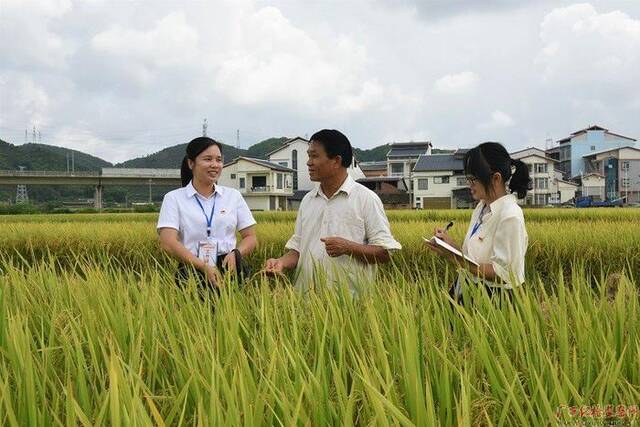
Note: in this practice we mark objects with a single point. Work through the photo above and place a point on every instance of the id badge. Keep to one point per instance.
(208, 251)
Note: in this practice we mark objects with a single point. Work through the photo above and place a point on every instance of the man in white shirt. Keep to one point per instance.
(341, 231)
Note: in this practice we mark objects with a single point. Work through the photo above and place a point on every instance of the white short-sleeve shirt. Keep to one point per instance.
(354, 213)
(181, 211)
(500, 240)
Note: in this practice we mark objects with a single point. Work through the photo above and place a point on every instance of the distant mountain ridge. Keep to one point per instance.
(49, 157)
(46, 157)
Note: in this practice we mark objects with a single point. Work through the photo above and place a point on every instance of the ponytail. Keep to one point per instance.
(194, 148)
(186, 175)
(520, 181)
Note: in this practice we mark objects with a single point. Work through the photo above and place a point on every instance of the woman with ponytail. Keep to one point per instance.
(198, 222)
(496, 238)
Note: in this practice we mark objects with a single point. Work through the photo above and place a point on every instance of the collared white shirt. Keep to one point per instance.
(501, 240)
(354, 213)
(181, 211)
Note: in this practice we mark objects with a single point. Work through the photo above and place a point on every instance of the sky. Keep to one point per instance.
(121, 79)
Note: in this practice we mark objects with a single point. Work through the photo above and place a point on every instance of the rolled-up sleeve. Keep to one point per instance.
(377, 230)
(509, 249)
(245, 218)
(169, 213)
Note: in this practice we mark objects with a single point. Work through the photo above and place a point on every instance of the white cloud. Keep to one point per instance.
(272, 61)
(584, 47)
(456, 83)
(22, 97)
(26, 34)
(499, 120)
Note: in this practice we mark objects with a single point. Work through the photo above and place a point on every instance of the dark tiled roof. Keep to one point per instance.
(400, 152)
(261, 162)
(298, 195)
(271, 165)
(380, 179)
(438, 162)
(369, 166)
(399, 149)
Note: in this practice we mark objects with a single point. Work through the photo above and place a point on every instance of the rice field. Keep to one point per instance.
(93, 331)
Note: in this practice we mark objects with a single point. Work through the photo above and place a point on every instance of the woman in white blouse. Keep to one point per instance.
(198, 222)
(497, 238)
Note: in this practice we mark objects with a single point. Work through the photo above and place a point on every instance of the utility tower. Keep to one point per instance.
(21, 194)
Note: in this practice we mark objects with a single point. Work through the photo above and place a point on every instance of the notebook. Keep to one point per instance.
(441, 243)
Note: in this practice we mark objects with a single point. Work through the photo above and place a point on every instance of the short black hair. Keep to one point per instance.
(491, 157)
(335, 143)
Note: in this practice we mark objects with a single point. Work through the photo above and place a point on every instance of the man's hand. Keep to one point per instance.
(229, 261)
(337, 246)
(273, 266)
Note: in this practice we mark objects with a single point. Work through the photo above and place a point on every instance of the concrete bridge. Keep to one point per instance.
(107, 176)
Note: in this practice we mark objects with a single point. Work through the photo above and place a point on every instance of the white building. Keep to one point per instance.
(439, 182)
(264, 185)
(548, 186)
(293, 154)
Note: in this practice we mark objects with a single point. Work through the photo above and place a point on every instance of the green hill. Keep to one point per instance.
(171, 157)
(46, 157)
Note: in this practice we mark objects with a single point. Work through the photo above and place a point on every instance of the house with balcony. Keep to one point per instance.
(570, 151)
(620, 168)
(265, 186)
(548, 186)
(439, 182)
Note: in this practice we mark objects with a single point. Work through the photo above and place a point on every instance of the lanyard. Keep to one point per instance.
(477, 225)
(208, 218)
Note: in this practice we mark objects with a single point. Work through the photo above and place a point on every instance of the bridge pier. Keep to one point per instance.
(97, 199)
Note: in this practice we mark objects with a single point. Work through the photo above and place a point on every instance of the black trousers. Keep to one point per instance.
(186, 271)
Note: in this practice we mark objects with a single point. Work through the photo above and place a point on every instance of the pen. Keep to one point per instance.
(448, 226)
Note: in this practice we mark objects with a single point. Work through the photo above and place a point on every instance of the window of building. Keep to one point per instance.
(279, 181)
(441, 180)
(461, 182)
(294, 166)
(625, 182)
(541, 168)
(397, 168)
(423, 184)
(530, 167)
(625, 166)
(241, 182)
(233, 176)
(593, 148)
(285, 164)
(541, 199)
(542, 183)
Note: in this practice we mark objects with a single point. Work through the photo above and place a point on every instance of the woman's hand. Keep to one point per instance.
(229, 261)
(442, 234)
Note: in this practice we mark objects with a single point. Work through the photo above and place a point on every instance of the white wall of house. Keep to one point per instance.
(431, 184)
(285, 157)
(593, 185)
(566, 191)
(543, 177)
